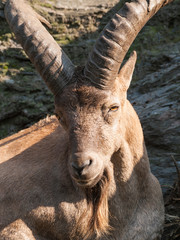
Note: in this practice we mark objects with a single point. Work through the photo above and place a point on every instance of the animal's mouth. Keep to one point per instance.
(88, 183)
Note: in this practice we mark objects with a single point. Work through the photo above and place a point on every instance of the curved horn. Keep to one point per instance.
(112, 45)
(49, 59)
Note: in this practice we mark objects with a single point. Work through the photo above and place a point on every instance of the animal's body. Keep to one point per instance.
(88, 176)
(40, 200)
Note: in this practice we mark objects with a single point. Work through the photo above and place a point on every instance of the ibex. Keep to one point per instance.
(89, 176)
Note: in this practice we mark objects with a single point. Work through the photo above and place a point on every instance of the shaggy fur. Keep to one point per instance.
(97, 211)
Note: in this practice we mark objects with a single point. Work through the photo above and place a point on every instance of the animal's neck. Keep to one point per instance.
(131, 158)
(123, 174)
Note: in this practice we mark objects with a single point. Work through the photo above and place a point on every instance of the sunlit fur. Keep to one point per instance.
(116, 197)
(97, 211)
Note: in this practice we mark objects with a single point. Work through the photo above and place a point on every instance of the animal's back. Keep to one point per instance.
(30, 173)
(18, 143)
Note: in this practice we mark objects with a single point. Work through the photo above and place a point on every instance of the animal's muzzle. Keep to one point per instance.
(79, 169)
(86, 168)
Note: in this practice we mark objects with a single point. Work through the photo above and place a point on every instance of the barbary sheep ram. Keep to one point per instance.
(85, 173)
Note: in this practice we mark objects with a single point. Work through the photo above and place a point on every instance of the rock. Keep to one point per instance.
(156, 100)
(2, 14)
(156, 97)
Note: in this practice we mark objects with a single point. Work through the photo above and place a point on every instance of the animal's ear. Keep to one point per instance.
(126, 72)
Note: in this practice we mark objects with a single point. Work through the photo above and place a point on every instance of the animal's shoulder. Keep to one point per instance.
(25, 139)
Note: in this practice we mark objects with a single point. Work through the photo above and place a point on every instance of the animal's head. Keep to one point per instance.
(90, 101)
(93, 119)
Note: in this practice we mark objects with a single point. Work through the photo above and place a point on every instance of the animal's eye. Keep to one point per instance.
(113, 108)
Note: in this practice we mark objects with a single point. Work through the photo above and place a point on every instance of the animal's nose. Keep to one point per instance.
(79, 167)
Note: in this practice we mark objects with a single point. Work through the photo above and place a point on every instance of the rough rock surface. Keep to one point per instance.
(156, 100)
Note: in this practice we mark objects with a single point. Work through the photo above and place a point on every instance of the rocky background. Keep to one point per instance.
(155, 90)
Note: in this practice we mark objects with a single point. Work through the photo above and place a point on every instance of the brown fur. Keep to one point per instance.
(116, 198)
(97, 211)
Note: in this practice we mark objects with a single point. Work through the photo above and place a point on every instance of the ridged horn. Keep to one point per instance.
(114, 41)
(48, 58)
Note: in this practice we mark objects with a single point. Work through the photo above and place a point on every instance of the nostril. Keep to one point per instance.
(79, 168)
(73, 164)
(90, 162)
(76, 166)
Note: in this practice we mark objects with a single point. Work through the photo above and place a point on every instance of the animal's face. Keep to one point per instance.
(92, 119)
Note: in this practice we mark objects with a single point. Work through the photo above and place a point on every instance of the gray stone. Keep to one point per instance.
(156, 99)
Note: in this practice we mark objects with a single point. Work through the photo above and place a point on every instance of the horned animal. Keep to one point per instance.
(84, 173)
